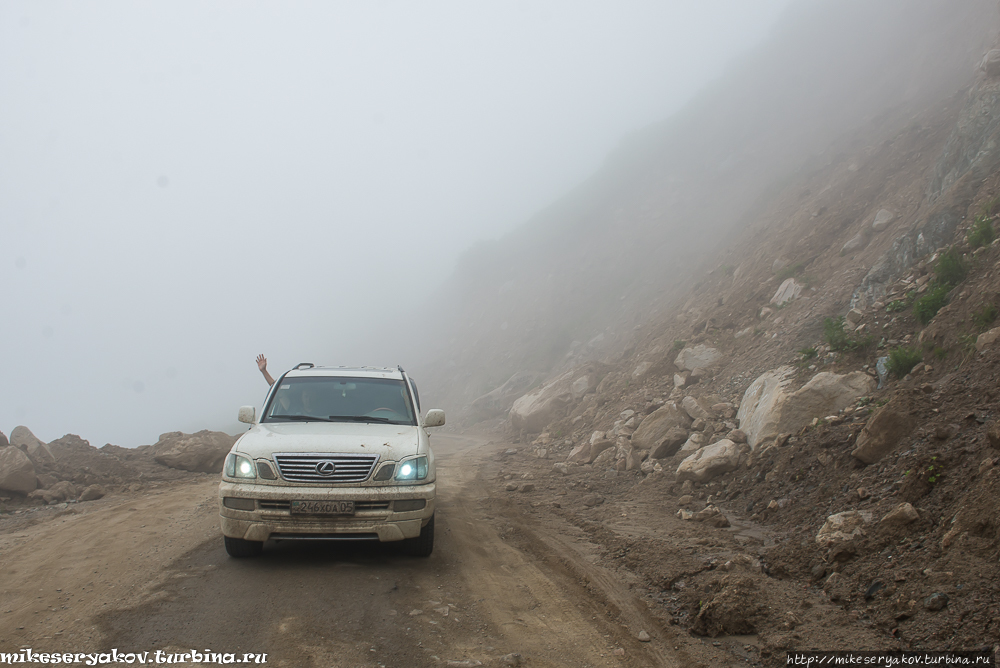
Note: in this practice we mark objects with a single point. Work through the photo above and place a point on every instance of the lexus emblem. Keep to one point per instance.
(326, 468)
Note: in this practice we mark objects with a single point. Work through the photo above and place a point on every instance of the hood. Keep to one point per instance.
(389, 441)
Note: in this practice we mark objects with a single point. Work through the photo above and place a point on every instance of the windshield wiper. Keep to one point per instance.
(303, 418)
(358, 418)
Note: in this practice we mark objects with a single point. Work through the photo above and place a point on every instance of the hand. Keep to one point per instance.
(262, 363)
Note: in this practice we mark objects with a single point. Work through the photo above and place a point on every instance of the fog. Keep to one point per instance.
(186, 185)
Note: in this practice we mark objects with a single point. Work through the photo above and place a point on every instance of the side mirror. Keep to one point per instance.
(248, 414)
(434, 418)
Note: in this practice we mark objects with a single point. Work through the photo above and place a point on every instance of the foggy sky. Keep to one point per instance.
(185, 185)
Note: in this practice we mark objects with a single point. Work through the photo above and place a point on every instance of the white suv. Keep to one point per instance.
(337, 454)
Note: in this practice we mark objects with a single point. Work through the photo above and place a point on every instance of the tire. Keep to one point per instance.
(239, 548)
(422, 545)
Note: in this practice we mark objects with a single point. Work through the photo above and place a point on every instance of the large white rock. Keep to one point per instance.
(698, 357)
(656, 428)
(17, 474)
(536, 409)
(770, 408)
(789, 289)
(711, 461)
(204, 451)
(882, 219)
(843, 527)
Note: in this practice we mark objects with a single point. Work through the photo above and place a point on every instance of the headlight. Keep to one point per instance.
(412, 469)
(238, 466)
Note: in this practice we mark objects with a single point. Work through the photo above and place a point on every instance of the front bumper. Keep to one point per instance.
(374, 515)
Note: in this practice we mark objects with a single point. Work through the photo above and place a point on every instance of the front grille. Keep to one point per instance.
(300, 467)
(358, 505)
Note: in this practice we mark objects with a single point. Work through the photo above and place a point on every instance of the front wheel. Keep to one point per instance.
(239, 548)
(422, 545)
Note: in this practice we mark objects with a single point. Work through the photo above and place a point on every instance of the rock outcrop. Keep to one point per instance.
(203, 452)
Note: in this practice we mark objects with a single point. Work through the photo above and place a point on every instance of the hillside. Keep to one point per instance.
(572, 283)
(803, 441)
(754, 359)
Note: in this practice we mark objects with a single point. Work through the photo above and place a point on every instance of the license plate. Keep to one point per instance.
(322, 507)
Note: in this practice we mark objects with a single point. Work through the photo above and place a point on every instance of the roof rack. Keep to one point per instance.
(304, 365)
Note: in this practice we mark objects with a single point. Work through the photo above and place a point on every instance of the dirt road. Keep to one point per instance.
(148, 571)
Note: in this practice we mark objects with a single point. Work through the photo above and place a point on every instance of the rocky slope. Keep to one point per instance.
(820, 408)
(832, 84)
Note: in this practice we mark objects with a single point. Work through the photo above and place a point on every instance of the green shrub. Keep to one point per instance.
(679, 344)
(984, 316)
(839, 340)
(902, 360)
(927, 306)
(939, 352)
(897, 305)
(951, 269)
(808, 353)
(982, 233)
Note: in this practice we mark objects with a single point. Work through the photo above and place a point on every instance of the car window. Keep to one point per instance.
(340, 399)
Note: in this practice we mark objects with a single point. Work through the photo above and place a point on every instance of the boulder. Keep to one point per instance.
(694, 443)
(203, 452)
(990, 64)
(788, 290)
(22, 437)
(656, 428)
(57, 493)
(987, 338)
(697, 357)
(711, 461)
(769, 408)
(843, 527)
(533, 411)
(93, 493)
(17, 473)
(712, 516)
(668, 445)
(597, 447)
(882, 219)
(500, 399)
(696, 408)
(883, 433)
(904, 513)
(855, 243)
(682, 379)
(3, 440)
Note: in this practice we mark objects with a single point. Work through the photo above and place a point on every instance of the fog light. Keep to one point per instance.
(238, 504)
(408, 504)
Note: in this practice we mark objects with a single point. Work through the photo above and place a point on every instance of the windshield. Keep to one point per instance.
(326, 399)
